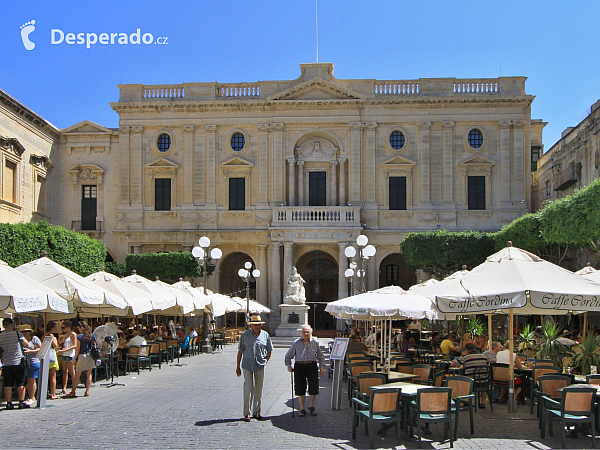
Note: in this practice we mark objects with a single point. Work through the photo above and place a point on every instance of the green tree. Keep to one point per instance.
(24, 242)
(167, 266)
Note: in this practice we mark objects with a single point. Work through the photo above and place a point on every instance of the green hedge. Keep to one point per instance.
(24, 242)
(166, 266)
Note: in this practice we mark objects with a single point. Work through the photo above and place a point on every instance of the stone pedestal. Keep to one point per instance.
(293, 318)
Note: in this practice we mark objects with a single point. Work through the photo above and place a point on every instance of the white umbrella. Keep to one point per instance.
(69, 285)
(200, 300)
(22, 294)
(165, 299)
(220, 304)
(255, 307)
(589, 272)
(388, 302)
(423, 284)
(139, 301)
(184, 301)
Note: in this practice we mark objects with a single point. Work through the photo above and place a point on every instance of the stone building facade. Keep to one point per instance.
(572, 163)
(289, 173)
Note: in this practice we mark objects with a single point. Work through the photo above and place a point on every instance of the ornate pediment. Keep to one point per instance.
(317, 149)
(236, 165)
(477, 163)
(86, 127)
(162, 165)
(316, 89)
(87, 173)
(12, 145)
(398, 161)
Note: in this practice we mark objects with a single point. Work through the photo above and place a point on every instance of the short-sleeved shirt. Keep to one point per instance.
(254, 350)
(490, 355)
(502, 357)
(472, 360)
(300, 352)
(9, 341)
(355, 346)
(85, 346)
(34, 343)
(446, 346)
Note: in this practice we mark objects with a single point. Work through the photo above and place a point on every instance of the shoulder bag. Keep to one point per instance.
(95, 352)
(24, 360)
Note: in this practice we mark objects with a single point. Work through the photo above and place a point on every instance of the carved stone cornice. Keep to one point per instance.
(425, 125)
(278, 126)
(137, 130)
(41, 161)
(189, 128)
(211, 128)
(263, 127)
(12, 145)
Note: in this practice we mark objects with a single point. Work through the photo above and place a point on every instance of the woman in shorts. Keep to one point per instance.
(33, 369)
(51, 329)
(67, 354)
(85, 362)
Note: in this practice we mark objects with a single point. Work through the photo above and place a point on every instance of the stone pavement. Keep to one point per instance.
(200, 406)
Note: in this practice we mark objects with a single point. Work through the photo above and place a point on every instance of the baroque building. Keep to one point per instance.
(572, 163)
(289, 173)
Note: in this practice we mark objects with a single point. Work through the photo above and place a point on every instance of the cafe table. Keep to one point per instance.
(408, 393)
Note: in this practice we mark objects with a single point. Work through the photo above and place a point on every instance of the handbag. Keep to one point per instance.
(95, 352)
(24, 360)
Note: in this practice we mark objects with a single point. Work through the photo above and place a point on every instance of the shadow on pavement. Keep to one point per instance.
(207, 423)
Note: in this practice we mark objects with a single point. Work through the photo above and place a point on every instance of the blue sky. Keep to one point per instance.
(553, 43)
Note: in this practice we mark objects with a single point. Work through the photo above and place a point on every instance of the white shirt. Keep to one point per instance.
(502, 357)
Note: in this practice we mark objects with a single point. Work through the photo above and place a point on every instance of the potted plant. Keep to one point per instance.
(586, 354)
(526, 341)
(550, 346)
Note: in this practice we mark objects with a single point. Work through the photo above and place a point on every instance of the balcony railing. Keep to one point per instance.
(566, 178)
(316, 216)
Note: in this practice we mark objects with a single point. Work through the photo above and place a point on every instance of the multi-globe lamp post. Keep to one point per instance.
(248, 275)
(357, 270)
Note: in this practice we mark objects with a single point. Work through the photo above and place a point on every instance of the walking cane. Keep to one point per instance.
(292, 383)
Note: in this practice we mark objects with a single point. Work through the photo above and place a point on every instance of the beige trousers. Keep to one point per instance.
(253, 385)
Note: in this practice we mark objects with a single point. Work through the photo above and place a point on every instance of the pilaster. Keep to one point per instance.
(263, 280)
(333, 198)
(291, 181)
(275, 277)
(300, 183)
(424, 162)
(519, 162)
(188, 166)
(342, 181)
(448, 163)
(288, 260)
(263, 166)
(278, 162)
(370, 162)
(355, 163)
(200, 166)
(343, 265)
(436, 163)
(505, 164)
(125, 166)
(211, 166)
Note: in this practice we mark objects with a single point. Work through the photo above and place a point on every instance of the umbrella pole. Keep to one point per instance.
(584, 324)
(512, 401)
(489, 331)
(390, 343)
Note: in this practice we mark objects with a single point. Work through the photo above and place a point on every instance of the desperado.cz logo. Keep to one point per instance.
(58, 36)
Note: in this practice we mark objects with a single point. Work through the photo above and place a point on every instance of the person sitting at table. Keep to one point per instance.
(355, 345)
(466, 339)
(408, 343)
(491, 354)
(435, 342)
(136, 339)
(449, 346)
(471, 360)
(481, 342)
(503, 357)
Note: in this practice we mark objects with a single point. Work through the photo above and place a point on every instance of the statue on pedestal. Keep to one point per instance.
(295, 295)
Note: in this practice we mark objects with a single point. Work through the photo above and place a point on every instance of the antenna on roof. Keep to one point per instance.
(317, 29)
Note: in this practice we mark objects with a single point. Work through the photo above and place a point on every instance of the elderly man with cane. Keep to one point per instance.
(306, 352)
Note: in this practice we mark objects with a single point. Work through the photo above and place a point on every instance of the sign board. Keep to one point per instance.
(46, 344)
(338, 352)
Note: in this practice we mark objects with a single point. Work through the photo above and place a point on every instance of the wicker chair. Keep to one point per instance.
(500, 375)
(433, 405)
(548, 385)
(354, 370)
(138, 355)
(592, 379)
(482, 383)
(424, 371)
(364, 382)
(404, 367)
(383, 407)
(463, 398)
(154, 353)
(576, 406)
(538, 371)
(543, 362)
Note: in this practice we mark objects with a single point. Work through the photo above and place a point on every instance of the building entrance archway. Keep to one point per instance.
(229, 280)
(392, 271)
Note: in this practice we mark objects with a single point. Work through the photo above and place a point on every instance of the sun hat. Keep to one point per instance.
(255, 319)
(25, 327)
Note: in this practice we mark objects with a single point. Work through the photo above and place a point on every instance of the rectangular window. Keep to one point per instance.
(237, 194)
(477, 193)
(89, 206)
(162, 194)
(9, 189)
(317, 189)
(536, 153)
(391, 275)
(397, 193)
(40, 195)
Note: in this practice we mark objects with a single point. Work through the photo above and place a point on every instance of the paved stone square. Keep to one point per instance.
(200, 406)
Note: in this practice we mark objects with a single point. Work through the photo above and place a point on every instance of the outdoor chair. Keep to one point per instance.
(538, 371)
(354, 370)
(154, 353)
(193, 346)
(424, 371)
(164, 351)
(500, 375)
(548, 385)
(173, 345)
(592, 379)
(364, 381)
(397, 359)
(404, 367)
(438, 379)
(138, 355)
(482, 383)
(433, 405)
(543, 362)
(463, 398)
(383, 407)
(576, 406)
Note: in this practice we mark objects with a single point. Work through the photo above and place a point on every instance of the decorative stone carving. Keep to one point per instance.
(295, 294)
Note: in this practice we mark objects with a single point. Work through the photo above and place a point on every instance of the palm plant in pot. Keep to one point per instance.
(550, 346)
(527, 341)
(586, 354)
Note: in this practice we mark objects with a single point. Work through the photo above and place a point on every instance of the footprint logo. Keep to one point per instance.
(26, 30)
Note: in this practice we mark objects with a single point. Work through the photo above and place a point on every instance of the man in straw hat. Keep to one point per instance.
(306, 352)
(254, 351)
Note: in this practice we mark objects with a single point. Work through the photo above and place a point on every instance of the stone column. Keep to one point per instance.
(291, 181)
(136, 163)
(343, 265)
(124, 167)
(263, 280)
(301, 183)
(263, 166)
(369, 163)
(278, 163)
(188, 166)
(373, 273)
(275, 277)
(355, 163)
(334, 187)
(288, 261)
(343, 182)
(448, 163)
(519, 156)
(211, 166)
(424, 162)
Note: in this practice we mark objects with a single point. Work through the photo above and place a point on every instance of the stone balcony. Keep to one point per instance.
(316, 216)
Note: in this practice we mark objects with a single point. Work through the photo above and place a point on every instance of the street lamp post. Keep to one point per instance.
(202, 255)
(248, 276)
(357, 272)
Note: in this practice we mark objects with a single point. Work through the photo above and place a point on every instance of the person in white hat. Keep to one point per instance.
(254, 351)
